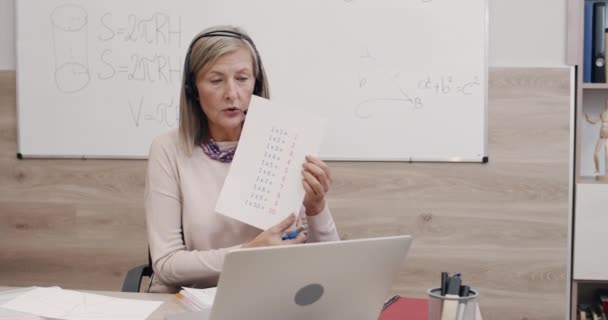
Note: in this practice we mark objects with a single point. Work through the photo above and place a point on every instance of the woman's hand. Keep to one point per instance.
(273, 236)
(317, 181)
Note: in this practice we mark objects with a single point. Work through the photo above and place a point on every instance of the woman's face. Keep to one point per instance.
(224, 92)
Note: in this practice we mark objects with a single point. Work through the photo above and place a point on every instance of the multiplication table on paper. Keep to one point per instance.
(264, 183)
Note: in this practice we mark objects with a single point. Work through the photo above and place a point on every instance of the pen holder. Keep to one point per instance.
(452, 307)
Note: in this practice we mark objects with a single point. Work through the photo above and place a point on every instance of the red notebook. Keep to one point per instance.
(399, 308)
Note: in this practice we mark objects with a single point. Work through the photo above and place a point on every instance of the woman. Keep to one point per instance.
(186, 168)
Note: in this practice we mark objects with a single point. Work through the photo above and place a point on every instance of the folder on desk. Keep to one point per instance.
(398, 308)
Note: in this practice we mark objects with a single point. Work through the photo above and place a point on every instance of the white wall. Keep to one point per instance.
(527, 33)
(523, 33)
(7, 39)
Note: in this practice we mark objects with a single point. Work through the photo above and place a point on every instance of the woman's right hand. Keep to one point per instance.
(273, 236)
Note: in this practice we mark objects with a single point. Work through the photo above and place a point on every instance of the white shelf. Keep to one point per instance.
(590, 232)
(590, 180)
(595, 86)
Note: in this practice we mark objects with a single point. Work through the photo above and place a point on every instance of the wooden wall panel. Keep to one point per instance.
(80, 223)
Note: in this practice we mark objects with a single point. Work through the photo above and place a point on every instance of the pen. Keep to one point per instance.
(449, 311)
(462, 305)
(444, 283)
(293, 234)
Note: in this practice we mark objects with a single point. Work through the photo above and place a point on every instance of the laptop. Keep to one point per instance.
(347, 279)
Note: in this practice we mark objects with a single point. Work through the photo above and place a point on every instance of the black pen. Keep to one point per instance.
(464, 291)
(462, 305)
(444, 283)
(449, 311)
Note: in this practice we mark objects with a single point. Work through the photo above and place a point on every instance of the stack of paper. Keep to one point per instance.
(196, 299)
(57, 303)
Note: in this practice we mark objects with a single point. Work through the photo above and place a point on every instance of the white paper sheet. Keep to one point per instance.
(264, 184)
(73, 305)
(8, 295)
(203, 298)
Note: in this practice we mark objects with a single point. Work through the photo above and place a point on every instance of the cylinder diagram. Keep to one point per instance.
(69, 24)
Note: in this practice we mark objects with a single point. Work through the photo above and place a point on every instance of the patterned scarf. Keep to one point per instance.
(213, 151)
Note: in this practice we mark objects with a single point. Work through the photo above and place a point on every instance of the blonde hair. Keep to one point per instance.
(203, 53)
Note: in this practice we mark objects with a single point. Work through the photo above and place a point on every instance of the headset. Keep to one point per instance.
(190, 86)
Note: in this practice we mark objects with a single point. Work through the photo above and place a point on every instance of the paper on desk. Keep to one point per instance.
(264, 184)
(205, 296)
(6, 314)
(201, 298)
(8, 295)
(73, 305)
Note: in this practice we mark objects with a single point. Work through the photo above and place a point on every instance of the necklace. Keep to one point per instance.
(213, 151)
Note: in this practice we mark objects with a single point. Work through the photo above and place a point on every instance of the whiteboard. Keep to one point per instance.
(396, 79)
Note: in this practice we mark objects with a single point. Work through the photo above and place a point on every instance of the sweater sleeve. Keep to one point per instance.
(172, 263)
(321, 227)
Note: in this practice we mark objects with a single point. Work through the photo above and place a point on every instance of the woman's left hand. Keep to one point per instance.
(317, 181)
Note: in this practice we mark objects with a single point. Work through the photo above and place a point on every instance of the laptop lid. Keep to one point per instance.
(347, 279)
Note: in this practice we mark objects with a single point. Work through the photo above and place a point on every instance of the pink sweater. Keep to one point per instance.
(181, 192)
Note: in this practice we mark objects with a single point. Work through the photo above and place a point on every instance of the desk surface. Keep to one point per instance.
(170, 305)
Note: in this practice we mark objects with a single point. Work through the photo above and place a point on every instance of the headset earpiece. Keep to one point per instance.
(257, 87)
(190, 88)
(189, 81)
